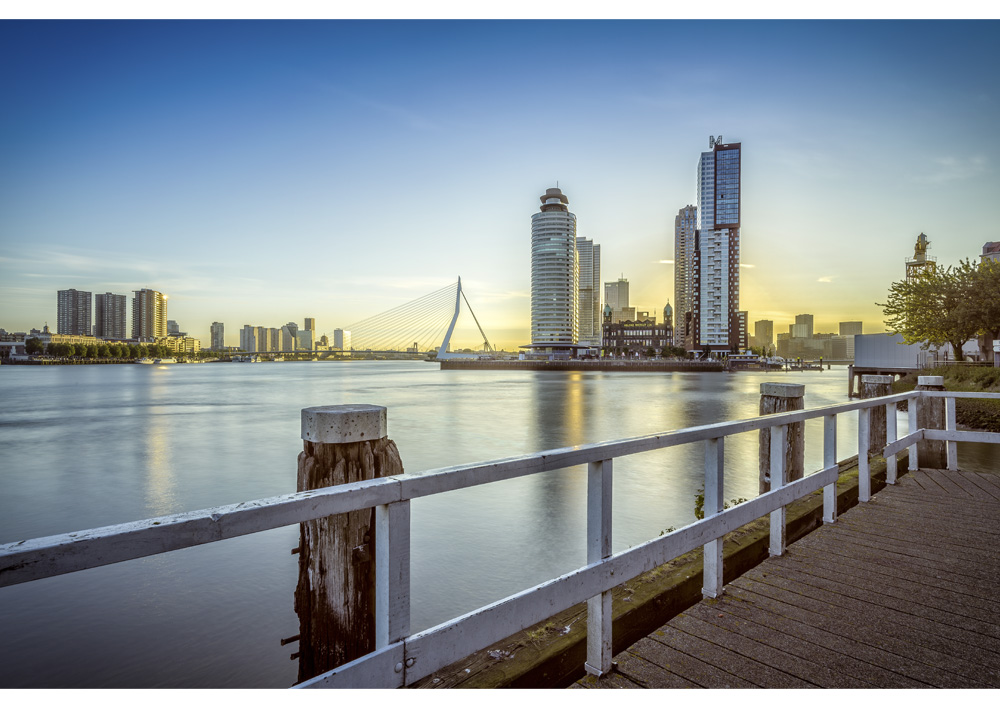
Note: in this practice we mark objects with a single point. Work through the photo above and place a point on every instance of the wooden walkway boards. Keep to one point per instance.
(903, 591)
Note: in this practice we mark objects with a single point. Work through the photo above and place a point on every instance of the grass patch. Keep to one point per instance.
(981, 414)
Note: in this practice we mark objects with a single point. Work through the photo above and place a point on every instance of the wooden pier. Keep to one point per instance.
(899, 592)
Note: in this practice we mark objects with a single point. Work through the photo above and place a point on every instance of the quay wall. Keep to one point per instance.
(584, 365)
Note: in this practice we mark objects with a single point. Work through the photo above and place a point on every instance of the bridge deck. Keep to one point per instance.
(900, 592)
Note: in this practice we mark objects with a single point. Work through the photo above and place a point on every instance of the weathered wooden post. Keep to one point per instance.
(872, 386)
(335, 596)
(777, 398)
(931, 414)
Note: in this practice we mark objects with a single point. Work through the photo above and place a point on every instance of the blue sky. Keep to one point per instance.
(261, 172)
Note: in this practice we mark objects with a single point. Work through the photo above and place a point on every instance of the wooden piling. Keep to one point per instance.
(874, 385)
(335, 596)
(931, 414)
(778, 398)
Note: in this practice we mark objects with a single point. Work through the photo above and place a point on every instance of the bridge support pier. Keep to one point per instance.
(336, 594)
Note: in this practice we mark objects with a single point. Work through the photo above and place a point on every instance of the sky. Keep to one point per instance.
(261, 172)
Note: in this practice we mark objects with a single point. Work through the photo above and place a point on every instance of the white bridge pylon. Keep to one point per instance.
(443, 352)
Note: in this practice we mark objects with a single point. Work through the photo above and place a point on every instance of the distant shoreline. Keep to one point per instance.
(585, 365)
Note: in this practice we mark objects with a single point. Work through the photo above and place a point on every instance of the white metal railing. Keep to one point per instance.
(401, 658)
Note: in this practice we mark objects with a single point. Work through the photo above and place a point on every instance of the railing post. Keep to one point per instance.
(340, 611)
(392, 573)
(778, 479)
(830, 460)
(890, 437)
(952, 446)
(864, 469)
(599, 488)
(931, 414)
(912, 405)
(714, 478)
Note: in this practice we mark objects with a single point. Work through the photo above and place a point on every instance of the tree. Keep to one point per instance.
(103, 351)
(650, 353)
(986, 305)
(937, 307)
(92, 351)
(33, 346)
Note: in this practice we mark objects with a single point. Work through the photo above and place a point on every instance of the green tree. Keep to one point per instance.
(939, 307)
(650, 353)
(33, 346)
(103, 351)
(986, 305)
(92, 351)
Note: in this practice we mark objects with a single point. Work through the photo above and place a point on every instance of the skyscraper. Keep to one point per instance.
(807, 321)
(589, 257)
(555, 276)
(73, 312)
(763, 333)
(716, 277)
(616, 295)
(109, 316)
(218, 332)
(149, 314)
(685, 227)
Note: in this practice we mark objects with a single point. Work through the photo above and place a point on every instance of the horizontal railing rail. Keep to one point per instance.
(401, 658)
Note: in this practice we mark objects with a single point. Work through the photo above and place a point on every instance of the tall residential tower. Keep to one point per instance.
(555, 277)
(589, 259)
(73, 312)
(685, 226)
(149, 314)
(715, 321)
(109, 316)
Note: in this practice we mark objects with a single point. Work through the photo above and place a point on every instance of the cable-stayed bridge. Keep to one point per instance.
(422, 325)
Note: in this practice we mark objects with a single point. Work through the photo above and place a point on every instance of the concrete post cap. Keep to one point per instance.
(930, 381)
(347, 423)
(788, 391)
(878, 378)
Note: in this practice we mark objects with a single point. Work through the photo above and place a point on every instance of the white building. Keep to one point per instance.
(555, 278)
(589, 258)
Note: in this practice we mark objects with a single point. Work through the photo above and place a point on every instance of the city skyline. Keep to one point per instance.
(252, 171)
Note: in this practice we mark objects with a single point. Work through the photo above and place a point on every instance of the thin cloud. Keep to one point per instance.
(950, 169)
(664, 261)
(825, 279)
(747, 265)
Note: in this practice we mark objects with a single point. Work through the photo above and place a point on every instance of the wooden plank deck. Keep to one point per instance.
(900, 592)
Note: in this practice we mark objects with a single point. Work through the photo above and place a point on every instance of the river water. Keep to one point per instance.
(90, 446)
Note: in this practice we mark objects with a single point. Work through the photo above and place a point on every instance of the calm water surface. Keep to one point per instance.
(90, 446)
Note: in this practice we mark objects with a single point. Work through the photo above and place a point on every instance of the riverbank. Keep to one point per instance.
(981, 415)
(584, 365)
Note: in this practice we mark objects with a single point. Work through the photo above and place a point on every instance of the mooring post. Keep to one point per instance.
(932, 414)
(872, 386)
(336, 594)
(777, 398)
